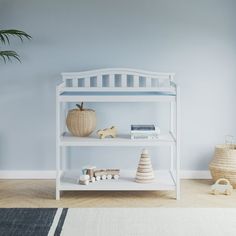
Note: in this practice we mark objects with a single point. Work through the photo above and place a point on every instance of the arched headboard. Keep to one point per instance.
(118, 79)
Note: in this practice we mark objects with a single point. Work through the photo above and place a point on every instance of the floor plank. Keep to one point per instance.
(41, 193)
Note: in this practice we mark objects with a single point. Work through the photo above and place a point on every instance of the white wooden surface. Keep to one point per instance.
(103, 87)
(126, 182)
(116, 98)
(178, 118)
(121, 140)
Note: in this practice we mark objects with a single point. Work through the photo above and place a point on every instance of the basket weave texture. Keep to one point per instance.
(81, 123)
(223, 164)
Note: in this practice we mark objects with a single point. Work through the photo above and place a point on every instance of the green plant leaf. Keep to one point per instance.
(8, 55)
(5, 34)
(5, 39)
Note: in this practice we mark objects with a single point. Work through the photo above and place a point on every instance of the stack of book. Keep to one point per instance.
(144, 132)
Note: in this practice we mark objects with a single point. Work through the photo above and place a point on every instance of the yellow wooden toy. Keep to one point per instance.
(103, 133)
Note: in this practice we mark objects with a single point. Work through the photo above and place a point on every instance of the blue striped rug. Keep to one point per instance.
(118, 222)
(31, 221)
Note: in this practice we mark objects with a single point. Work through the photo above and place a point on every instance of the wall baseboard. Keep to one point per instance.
(51, 174)
(195, 174)
(27, 174)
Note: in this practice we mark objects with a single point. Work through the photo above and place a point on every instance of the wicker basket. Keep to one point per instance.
(81, 122)
(223, 164)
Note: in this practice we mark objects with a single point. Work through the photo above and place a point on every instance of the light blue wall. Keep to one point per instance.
(195, 39)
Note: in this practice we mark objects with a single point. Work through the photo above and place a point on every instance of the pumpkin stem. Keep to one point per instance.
(81, 106)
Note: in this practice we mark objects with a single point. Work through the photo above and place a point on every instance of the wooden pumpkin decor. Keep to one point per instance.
(80, 121)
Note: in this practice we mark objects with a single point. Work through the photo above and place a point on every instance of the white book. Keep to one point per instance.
(146, 131)
(142, 127)
(144, 136)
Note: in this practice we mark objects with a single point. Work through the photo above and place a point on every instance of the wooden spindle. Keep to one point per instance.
(136, 81)
(112, 80)
(148, 82)
(123, 80)
(75, 82)
(155, 82)
(99, 81)
(87, 82)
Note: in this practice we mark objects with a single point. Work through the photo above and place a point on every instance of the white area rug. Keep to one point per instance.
(150, 222)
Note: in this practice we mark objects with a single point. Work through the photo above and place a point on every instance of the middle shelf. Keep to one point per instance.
(121, 140)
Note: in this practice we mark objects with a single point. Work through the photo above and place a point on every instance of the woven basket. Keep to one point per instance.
(223, 164)
(81, 123)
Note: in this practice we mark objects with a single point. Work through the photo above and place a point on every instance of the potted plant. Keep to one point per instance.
(5, 35)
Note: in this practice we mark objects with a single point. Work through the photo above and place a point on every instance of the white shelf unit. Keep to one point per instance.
(118, 85)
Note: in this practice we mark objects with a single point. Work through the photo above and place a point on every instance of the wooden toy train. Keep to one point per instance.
(91, 174)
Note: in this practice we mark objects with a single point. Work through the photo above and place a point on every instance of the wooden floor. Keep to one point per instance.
(41, 193)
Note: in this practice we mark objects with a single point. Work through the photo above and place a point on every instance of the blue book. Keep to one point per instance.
(142, 127)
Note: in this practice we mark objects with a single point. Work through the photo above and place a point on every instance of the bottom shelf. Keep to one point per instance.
(163, 181)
